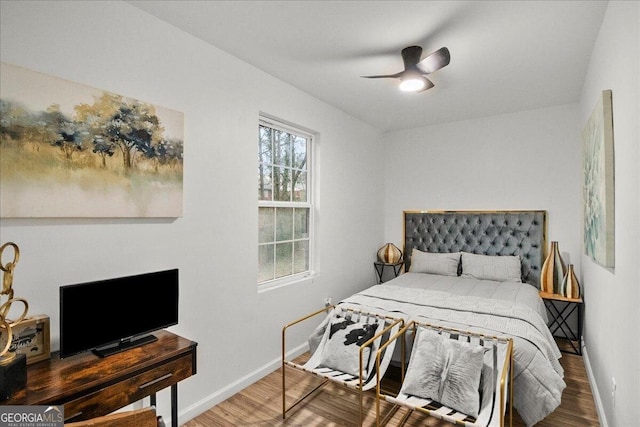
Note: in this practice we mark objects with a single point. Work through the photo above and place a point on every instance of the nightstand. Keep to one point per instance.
(380, 266)
(561, 308)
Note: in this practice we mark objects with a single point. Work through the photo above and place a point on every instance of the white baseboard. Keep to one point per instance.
(594, 387)
(224, 393)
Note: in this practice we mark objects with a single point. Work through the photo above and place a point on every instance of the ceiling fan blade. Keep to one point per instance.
(411, 56)
(391, 76)
(428, 86)
(438, 59)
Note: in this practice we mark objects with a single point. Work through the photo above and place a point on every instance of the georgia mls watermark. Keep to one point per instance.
(31, 416)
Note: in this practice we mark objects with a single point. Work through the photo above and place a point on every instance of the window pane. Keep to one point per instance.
(284, 224)
(283, 148)
(265, 263)
(301, 221)
(281, 184)
(300, 153)
(266, 225)
(300, 187)
(265, 185)
(265, 148)
(284, 267)
(301, 256)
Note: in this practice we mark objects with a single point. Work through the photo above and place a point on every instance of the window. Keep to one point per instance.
(284, 203)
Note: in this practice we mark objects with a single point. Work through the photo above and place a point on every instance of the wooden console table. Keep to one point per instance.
(89, 386)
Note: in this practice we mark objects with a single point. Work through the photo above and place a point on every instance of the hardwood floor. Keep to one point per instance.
(261, 404)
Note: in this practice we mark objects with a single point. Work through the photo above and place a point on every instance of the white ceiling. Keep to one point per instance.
(506, 56)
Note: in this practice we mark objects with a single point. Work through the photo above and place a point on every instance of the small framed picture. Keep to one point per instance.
(30, 337)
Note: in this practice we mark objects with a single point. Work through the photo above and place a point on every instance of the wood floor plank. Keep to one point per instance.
(260, 404)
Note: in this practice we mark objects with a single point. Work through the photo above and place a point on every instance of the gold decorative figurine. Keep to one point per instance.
(12, 367)
(7, 289)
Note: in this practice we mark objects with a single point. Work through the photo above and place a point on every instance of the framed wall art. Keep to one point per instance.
(599, 183)
(69, 150)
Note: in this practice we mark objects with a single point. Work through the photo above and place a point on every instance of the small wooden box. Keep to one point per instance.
(31, 338)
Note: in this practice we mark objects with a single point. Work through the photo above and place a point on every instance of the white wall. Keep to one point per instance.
(533, 160)
(612, 322)
(115, 46)
(527, 160)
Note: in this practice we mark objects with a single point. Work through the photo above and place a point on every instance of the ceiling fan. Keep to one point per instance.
(414, 77)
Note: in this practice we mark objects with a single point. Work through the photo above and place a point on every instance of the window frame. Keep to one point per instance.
(309, 204)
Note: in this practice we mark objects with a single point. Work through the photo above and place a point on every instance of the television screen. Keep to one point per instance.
(108, 316)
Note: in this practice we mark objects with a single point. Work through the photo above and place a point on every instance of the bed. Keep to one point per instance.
(478, 271)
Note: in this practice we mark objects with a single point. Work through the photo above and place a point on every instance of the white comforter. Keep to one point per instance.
(498, 308)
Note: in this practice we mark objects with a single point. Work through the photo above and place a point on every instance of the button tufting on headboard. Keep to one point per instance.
(482, 232)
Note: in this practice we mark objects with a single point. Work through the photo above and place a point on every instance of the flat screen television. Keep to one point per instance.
(113, 315)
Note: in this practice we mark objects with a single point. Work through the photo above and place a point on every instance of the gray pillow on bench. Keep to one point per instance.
(445, 370)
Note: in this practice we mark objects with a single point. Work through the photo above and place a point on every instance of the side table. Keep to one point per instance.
(380, 266)
(561, 308)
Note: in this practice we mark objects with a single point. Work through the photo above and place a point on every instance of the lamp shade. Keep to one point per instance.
(389, 254)
(413, 84)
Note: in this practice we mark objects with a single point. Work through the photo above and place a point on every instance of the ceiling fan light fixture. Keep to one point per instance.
(412, 84)
(414, 76)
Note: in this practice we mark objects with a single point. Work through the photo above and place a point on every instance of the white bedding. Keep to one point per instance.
(510, 309)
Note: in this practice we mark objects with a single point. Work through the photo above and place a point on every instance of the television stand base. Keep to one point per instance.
(124, 345)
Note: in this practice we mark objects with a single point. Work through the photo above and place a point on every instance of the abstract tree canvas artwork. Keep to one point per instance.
(69, 150)
(598, 187)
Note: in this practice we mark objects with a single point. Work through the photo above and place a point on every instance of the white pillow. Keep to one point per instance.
(445, 264)
(341, 350)
(492, 267)
(445, 370)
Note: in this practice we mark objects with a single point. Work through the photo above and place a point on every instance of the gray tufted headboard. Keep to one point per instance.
(480, 232)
